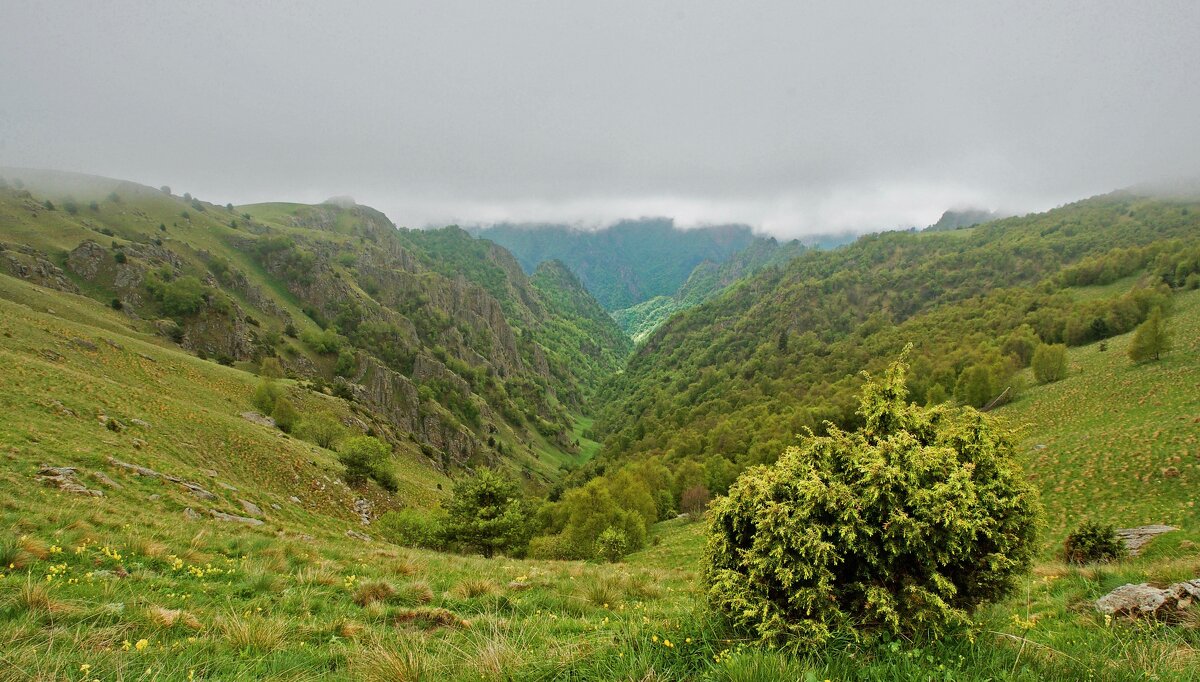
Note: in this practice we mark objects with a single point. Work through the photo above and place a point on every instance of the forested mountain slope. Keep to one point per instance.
(627, 263)
(732, 381)
(440, 333)
(707, 281)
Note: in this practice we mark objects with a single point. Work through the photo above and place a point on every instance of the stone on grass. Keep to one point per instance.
(1145, 601)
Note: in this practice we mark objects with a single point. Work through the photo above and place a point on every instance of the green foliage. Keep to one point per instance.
(347, 363)
(906, 525)
(265, 396)
(1093, 542)
(323, 429)
(270, 368)
(612, 545)
(410, 527)
(572, 526)
(367, 457)
(488, 514)
(1049, 363)
(1151, 339)
(323, 341)
(285, 414)
(179, 297)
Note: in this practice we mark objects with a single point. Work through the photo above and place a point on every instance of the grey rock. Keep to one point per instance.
(1136, 539)
(64, 478)
(363, 509)
(233, 518)
(1145, 601)
(191, 514)
(154, 497)
(211, 473)
(259, 419)
(275, 506)
(358, 536)
(84, 344)
(294, 499)
(139, 422)
(103, 478)
(251, 508)
(226, 486)
(198, 491)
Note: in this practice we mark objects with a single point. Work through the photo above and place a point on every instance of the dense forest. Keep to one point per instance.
(732, 382)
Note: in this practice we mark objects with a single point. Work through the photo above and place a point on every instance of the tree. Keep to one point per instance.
(271, 368)
(322, 429)
(183, 296)
(1050, 363)
(285, 414)
(1151, 339)
(909, 523)
(368, 457)
(488, 514)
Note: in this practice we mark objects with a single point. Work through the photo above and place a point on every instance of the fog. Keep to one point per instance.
(790, 117)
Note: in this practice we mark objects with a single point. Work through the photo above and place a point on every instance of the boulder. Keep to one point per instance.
(259, 419)
(1145, 601)
(64, 478)
(232, 518)
(251, 508)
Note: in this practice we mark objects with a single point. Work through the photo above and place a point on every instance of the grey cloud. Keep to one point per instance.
(793, 117)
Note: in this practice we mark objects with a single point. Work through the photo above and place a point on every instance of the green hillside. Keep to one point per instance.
(730, 382)
(482, 369)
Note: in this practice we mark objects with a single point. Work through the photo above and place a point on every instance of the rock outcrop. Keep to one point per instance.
(1136, 539)
(1146, 601)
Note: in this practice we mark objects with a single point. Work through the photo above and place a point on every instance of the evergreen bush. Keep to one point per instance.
(904, 526)
(1093, 542)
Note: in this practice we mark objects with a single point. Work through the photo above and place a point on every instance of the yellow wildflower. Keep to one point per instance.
(142, 644)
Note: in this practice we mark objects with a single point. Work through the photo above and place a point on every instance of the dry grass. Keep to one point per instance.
(475, 587)
(413, 593)
(317, 575)
(251, 632)
(167, 618)
(402, 661)
(373, 591)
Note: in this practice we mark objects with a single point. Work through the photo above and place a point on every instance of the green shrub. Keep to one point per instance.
(1050, 363)
(325, 342)
(265, 396)
(612, 545)
(905, 525)
(368, 457)
(1093, 542)
(285, 414)
(1151, 339)
(183, 296)
(414, 528)
(323, 429)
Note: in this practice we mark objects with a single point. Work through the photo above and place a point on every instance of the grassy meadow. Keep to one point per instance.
(127, 587)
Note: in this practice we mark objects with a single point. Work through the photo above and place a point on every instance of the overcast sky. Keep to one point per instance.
(793, 117)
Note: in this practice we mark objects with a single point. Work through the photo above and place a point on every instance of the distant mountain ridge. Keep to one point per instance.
(627, 263)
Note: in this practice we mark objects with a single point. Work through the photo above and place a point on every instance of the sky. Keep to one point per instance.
(793, 117)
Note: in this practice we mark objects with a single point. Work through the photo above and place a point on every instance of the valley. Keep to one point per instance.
(163, 517)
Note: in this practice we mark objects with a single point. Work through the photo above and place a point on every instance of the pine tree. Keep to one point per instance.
(1151, 339)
